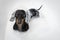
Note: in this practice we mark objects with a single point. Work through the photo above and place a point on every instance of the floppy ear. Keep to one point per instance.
(12, 17)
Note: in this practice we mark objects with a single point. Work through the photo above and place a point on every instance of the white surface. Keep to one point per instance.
(47, 27)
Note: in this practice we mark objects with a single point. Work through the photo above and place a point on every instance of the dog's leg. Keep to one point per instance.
(15, 27)
(25, 27)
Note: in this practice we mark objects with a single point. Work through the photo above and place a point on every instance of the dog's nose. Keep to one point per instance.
(19, 21)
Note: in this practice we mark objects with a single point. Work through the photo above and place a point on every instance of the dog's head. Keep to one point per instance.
(20, 20)
(20, 16)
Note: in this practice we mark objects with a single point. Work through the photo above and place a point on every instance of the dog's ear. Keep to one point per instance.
(13, 17)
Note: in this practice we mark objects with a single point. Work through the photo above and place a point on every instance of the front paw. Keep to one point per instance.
(15, 27)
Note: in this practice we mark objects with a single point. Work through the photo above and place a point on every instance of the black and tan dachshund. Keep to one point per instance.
(22, 18)
(20, 23)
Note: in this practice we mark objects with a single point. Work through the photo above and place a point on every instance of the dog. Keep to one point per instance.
(23, 18)
(20, 23)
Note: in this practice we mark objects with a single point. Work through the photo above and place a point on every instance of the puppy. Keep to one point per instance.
(20, 23)
(22, 19)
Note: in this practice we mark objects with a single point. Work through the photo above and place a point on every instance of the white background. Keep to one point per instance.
(46, 27)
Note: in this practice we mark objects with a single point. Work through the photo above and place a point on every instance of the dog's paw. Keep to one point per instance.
(25, 27)
(15, 27)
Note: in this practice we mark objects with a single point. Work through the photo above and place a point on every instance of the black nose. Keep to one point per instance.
(19, 21)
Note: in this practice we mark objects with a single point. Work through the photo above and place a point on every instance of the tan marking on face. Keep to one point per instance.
(19, 25)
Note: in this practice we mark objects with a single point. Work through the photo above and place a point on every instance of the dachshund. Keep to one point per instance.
(20, 23)
(23, 18)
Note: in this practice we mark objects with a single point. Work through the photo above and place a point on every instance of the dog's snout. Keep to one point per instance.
(19, 21)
